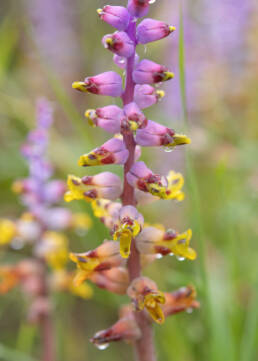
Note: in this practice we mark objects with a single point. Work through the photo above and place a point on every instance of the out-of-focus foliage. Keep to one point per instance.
(45, 45)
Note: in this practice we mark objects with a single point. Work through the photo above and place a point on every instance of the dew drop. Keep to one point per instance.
(168, 149)
(189, 310)
(152, 1)
(102, 346)
(171, 254)
(145, 49)
(159, 256)
(179, 258)
(121, 61)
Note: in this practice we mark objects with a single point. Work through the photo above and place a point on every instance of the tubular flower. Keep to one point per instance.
(152, 240)
(151, 30)
(103, 185)
(7, 231)
(54, 249)
(129, 225)
(134, 117)
(101, 258)
(109, 118)
(145, 95)
(106, 211)
(138, 8)
(108, 83)
(119, 43)
(125, 329)
(168, 187)
(115, 280)
(145, 294)
(112, 152)
(181, 300)
(156, 134)
(148, 72)
(116, 16)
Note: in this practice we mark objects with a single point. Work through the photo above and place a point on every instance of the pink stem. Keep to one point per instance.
(144, 347)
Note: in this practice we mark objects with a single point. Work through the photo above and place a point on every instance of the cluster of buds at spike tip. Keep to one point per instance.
(145, 180)
(153, 240)
(129, 225)
(132, 239)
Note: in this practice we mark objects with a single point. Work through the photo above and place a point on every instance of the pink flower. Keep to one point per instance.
(134, 117)
(119, 43)
(138, 8)
(108, 83)
(148, 72)
(115, 280)
(116, 16)
(156, 134)
(145, 95)
(150, 30)
(112, 152)
(121, 61)
(109, 118)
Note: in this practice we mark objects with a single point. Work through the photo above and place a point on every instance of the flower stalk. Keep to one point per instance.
(139, 244)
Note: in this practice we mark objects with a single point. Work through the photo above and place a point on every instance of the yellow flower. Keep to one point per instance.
(171, 190)
(86, 265)
(152, 302)
(7, 231)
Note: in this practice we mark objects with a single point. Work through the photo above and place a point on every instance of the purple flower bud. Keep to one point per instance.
(148, 72)
(145, 95)
(108, 83)
(119, 43)
(108, 118)
(139, 170)
(156, 134)
(112, 152)
(134, 117)
(151, 30)
(116, 16)
(138, 8)
(121, 62)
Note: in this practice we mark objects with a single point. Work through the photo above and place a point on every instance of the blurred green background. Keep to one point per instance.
(47, 44)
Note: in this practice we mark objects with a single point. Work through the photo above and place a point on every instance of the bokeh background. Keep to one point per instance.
(47, 44)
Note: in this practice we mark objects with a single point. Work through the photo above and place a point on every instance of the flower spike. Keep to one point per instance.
(111, 152)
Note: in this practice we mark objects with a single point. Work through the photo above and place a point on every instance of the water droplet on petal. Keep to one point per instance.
(171, 254)
(145, 49)
(152, 1)
(102, 346)
(179, 258)
(168, 149)
(189, 310)
(159, 256)
(121, 61)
